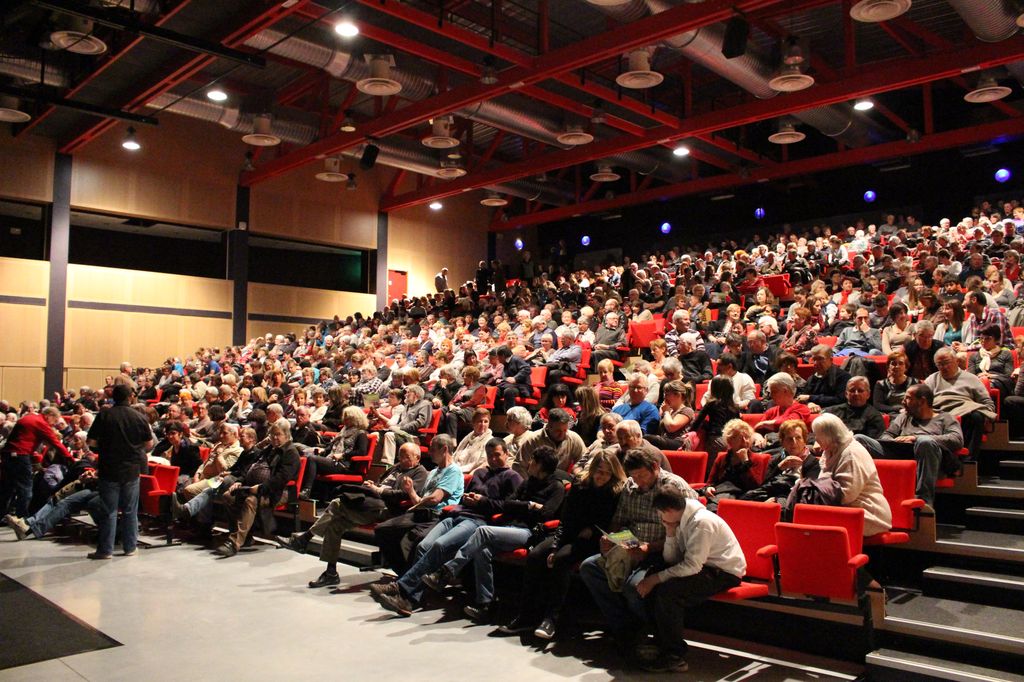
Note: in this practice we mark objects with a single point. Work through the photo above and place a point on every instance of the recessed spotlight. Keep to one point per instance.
(217, 94)
(346, 29)
(870, 196)
(585, 240)
(1003, 174)
(131, 143)
(864, 105)
(518, 244)
(759, 213)
(436, 205)
(681, 150)
(666, 228)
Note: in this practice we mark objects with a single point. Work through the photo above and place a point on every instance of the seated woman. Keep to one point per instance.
(608, 389)
(783, 391)
(730, 323)
(717, 411)
(471, 453)
(788, 363)
(336, 458)
(556, 397)
(659, 350)
(887, 396)
(992, 362)
(898, 329)
(801, 335)
(549, 565)
(732, 475)
(465, 401)
(676, 417)
(849, 464)
(795, 462)
(588, 420)
(764, 303)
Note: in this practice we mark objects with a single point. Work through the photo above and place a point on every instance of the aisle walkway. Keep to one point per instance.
(182, 614)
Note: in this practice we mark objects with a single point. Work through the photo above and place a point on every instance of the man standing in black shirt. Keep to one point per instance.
(121, 436)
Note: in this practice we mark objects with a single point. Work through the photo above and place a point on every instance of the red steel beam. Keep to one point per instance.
(184, 71)
(836, 160)
(683, 18)
(111, 59)
(867, 81)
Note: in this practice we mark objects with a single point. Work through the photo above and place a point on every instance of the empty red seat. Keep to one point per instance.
(816, 561)
(899, 482)
(642, 333)
(753, 524)
(849, 518)
(159, 483)
(689, 465)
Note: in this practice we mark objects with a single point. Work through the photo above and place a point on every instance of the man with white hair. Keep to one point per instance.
(681, 328)
(637, 408)
(222, 457)
(629, 436)
(961, 394)
(564, 361)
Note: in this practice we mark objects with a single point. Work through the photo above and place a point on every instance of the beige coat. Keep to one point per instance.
(855, 472)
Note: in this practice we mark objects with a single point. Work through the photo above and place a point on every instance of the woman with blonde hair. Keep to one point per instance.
(588, 421)
(676, 417)
(608, 389)
(659, 349)
(336, 458)
(587, 510)
(732, 473)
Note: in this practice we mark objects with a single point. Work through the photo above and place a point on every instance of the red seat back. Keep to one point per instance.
(204, 453)
(492, 396)
(538, 377)
(753, 524)
(166, 476)
(642, 333)
(297, 481)
(752, 419)
(813, 560)
(849, 518)
(688, 465)
(899, 483)
(699, 391)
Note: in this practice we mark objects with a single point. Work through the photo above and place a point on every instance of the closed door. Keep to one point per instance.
(398, 284)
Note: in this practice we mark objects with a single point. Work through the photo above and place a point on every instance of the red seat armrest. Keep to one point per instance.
(856, 561)
(552, 525)
(913, 504)
(769, 551)
(448, 510)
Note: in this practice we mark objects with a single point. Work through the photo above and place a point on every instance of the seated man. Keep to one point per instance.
(701, 557)
(537, 500)
(564, 361)
(222, 457)
(66, 502)
(262, 489)
(483, 498)
(827, 386)
(628, 436)
(200, 507)
(860, 338)
(759, 358)
(303, 432)
(635, 512)
(556, 435)
(636, 406)
(417, 415)
(961, 394)
(919, 432)
(856, 413)
(744, 390)
(398, 537)
(696, 365)
(359, 505)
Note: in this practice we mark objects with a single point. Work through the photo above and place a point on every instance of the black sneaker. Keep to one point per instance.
(517, 627)
(179, 512)
(546, 630)
(226, 550)
(326, 579)
(666, 663)
(438, 580)
(480, 613)
(397, 603)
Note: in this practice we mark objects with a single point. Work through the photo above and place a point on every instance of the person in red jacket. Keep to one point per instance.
(783, 389)
(31, 431)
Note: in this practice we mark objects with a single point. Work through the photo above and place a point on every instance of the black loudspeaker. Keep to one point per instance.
(734, 43)
(369, 156)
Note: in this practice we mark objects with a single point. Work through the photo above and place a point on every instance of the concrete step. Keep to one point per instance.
(1011, 469)
(956, 623)
(979, 544)
(996, 519)
(890, 665)
(982, 587)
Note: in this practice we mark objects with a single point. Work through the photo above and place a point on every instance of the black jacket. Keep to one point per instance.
(518, 369)
(829, 389)
(586, 507)
(748, 364)
(548, 492)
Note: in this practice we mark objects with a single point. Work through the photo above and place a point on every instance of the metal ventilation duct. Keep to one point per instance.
(30, 71)
(990, 20)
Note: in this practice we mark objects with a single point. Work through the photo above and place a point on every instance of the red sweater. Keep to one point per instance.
(776, 415)
(30, 431)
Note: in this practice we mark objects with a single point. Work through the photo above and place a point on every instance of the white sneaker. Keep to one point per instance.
(19, 526)
(131, 553)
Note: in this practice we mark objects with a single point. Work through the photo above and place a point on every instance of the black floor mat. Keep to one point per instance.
(33, 629)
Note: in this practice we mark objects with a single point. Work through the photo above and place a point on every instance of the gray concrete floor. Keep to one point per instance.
(180, 614)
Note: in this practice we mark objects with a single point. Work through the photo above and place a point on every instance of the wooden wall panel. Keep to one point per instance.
(168, 179)
(74, 379)
(298, 206)
(21, 383)
(422, 241)
(24, 342)
(27, 169)
(112, 285)
(21, 277)
(270, 299)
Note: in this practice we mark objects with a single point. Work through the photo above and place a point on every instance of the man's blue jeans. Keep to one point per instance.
(200, 507)
(51, 513)
(115, 495)
(441, 543)
(16, 484)
(623, 612)
(480, 549)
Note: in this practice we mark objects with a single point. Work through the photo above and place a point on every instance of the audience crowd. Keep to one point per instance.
(529, 408)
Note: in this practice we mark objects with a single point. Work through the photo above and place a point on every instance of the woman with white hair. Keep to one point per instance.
(849, 464)
(782, 388)
(517, 421)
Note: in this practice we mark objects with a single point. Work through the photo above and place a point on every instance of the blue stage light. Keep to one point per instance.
(518, 244)
(585, 240)
(870, 196)
(1003, 174)
(666, 228)
(759, 213)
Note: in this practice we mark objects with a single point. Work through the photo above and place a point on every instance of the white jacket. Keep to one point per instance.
(702, 538)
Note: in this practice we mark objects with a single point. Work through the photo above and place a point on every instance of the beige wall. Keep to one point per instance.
(23, 351)
(318, 304)
(422, 241)
(102, 339)
(26, 171)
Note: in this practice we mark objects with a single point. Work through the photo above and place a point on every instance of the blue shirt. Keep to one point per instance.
(448, 479)
(645, 413)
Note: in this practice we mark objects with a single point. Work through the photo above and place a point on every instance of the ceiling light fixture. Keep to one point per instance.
(604, 173)
(261, 135)
(493, 199)
(681, 150)
(639, 76)
(787, 134)
(10, 110)
(790, 78)
(436, 205)
(217, 94)
(348, 125)
(489, 75)
(988, 90)
(346, 29)
(379, 83)
(130, 142)
(864, 105)
(873, 11)
(332, 171)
